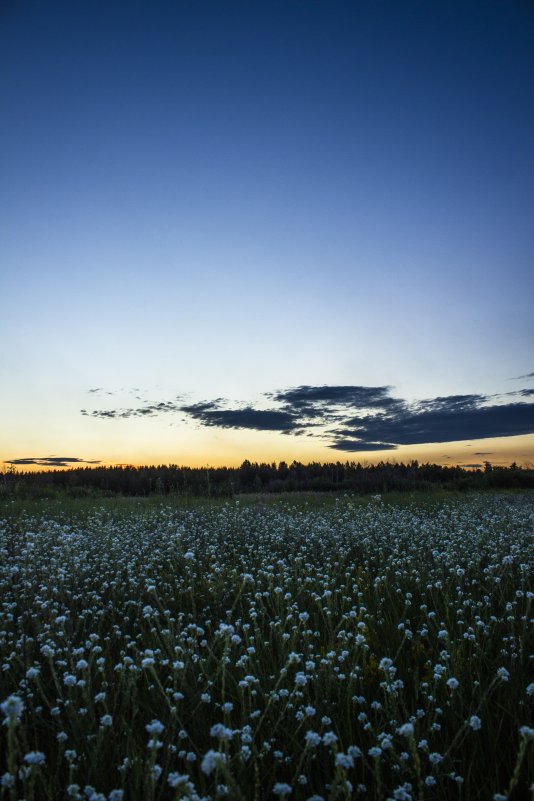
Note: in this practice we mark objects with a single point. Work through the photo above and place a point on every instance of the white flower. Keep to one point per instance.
(526, 732)
(154, 727)
(177, 779)
(453, 683)
(406, 730)
(503, 674)
(344, 761)
(106, 720)
(212, 760)
(221, 731)
(12, 707)
(282, 789)
(313, 739)
(329, 738)
(475, 722)
(35, 758)
(32, 672)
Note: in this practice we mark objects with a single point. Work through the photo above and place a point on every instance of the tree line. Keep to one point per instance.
(256, 477)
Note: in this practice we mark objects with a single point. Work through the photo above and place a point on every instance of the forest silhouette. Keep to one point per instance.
(255, 477)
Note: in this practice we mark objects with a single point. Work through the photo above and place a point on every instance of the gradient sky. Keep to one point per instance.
(213, 202)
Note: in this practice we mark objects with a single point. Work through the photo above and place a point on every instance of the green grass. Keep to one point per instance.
(283, 609)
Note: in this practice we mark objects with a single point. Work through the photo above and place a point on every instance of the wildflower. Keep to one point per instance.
(35, 758)
(530, 689)
(116, 795)
(453, 683)
(106, 721)
(406, 730)
(12, 707)
(503, 674)
(176, 780)
(374, 752)
(222, 732)
(402, 793)
(329, 738)
(155, 727)
(435, 758)
(282, 789)
(475, 722)
(212, 760)
(345, 761)
(312, 738)
(526, 732)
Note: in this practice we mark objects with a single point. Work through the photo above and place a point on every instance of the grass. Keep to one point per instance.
(302, 647)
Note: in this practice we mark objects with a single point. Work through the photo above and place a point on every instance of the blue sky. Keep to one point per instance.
(221, 200)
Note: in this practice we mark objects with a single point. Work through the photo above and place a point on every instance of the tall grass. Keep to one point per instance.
(304, 650)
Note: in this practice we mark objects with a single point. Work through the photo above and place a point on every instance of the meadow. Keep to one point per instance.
(295, 648)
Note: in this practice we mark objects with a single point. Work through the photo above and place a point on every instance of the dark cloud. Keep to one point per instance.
(444, 423)
(51, 461)
(320, 401)
(484, 453)
(358, 445)
(520, 377)
(210, 414)
(343, 395)
(474, 465)
(357, 418)
(450, 403)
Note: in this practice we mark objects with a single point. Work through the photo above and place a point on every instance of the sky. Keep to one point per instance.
(266, 230)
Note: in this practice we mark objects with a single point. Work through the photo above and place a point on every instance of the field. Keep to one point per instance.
(304, 649)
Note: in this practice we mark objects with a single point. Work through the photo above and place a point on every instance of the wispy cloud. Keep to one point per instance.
(51, 461)
(148, 410)
(354, 418)
(521, 377)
